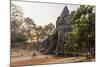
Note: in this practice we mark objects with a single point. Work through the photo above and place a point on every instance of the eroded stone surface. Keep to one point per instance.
(55, 42)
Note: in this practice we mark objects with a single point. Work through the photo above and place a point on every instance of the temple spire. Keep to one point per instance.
(65, 12)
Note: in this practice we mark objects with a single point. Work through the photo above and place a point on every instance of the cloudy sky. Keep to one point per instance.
(43, 13)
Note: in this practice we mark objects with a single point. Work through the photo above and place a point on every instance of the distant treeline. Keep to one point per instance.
(24, 28)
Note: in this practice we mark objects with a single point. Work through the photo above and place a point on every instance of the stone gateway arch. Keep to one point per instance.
(54, 44)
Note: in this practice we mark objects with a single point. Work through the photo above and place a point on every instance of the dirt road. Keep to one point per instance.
(44, 59)
(24, 57)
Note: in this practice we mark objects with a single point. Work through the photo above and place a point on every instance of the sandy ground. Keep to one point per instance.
(20, 52)
(44, 59)
(23, 57)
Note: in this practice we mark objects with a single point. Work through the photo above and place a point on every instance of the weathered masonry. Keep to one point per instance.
(55, 42)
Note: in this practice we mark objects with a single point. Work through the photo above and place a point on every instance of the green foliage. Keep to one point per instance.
(16, 11)
(28, 26)
(49, 29)
(83, 35)
(18, 37)
(21, 28)
(25, 28)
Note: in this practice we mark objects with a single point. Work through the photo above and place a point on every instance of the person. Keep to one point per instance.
(34, 54)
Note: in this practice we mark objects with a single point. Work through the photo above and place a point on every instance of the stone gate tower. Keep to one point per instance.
(63, 26)
(55, 42)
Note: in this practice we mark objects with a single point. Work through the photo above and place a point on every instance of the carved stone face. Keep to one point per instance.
(65, 12)
(67, 20)
(64, 18)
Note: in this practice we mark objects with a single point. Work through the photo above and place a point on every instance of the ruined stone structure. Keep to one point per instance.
(63, 26)
(55, 42)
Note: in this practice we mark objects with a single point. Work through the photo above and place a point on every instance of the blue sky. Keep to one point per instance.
(43, 13)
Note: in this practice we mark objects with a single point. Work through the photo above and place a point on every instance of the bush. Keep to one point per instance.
(18, 38)
(21, 38)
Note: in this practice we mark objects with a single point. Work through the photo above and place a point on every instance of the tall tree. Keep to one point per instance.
(16, 11)
(28, 27)
(16, 21)
(19, 24)
(16, 17)
(49, 29)
(83, 34)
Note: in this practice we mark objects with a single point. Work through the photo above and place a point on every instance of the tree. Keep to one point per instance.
(16, 11)
(28, 27)
(42, 33)
(16, 17)
(49, 29)
(20, 25)
(16, 22)
(83, 34)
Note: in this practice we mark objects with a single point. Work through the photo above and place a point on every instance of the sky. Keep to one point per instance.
(43, 13)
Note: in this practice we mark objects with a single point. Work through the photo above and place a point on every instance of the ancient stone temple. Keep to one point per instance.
(55, 42)
(63, 26)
